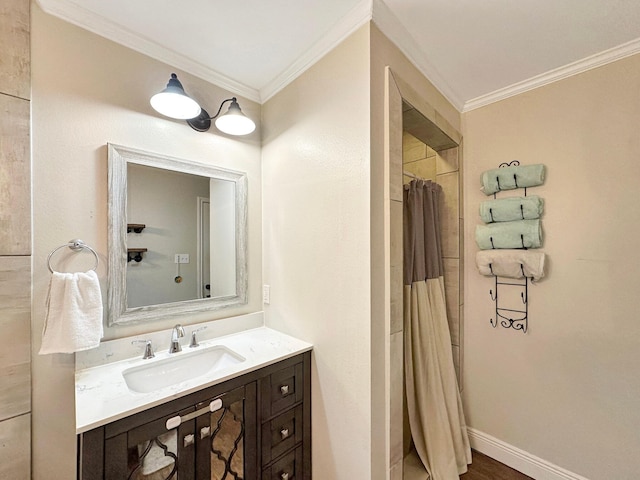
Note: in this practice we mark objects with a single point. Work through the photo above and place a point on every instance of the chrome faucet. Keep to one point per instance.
(176, 333)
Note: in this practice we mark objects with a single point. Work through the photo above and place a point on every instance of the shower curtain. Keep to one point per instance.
(434, 406)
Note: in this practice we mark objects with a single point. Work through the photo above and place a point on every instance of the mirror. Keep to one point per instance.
(177, 236)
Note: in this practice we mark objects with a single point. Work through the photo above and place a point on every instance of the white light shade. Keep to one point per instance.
(173, 102)
(234, 122)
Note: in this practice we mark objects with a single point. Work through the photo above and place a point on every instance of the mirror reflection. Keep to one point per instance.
(177, 236)
(180, 216)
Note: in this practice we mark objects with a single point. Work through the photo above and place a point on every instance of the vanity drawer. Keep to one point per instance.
(288, 467)
(281, 434)
(281, 390)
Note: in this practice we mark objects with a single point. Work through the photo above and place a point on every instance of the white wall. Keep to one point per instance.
(316, 244)
(568, 390)
(87, 91)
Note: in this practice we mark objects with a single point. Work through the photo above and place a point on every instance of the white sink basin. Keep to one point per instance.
(179, 367)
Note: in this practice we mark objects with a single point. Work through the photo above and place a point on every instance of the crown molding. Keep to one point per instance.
(580, 66)
(354, 19)
(83, 18)
(389, 24)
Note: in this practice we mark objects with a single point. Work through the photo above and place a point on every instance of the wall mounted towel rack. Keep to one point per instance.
(76, 245)
(509, 315)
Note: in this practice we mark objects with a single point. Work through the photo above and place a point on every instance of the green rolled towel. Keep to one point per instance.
(511, 208)
(508, 178)
(520, 234)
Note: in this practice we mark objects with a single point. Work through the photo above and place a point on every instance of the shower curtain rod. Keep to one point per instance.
(412, 175)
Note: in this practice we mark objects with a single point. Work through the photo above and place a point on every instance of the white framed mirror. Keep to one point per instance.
(177, 236)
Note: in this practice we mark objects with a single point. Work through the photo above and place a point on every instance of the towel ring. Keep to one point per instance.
(76, 245)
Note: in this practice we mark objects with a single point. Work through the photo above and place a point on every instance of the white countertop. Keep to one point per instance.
(102, 395)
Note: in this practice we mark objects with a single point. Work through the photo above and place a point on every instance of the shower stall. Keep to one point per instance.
(435, 440)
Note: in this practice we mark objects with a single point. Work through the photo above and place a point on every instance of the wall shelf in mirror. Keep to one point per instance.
(135, 227)
(204, 218)
(135, 254)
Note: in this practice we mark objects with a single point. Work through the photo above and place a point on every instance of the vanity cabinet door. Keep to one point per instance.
(227, 436)
(154, 452)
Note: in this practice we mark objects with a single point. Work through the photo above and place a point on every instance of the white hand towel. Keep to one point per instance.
(73, 320)
(511, 263)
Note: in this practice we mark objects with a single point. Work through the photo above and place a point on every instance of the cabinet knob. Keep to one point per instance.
(284, 433)
(284, 476)
(284, 390)
(189, 440)
(205, 432)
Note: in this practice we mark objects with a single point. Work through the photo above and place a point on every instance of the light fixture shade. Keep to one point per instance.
(234, 122)
(174, 102)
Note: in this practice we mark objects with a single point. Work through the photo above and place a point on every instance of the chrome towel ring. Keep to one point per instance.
(76, 245)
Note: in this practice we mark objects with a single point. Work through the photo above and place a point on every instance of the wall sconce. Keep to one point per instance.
(173, 102)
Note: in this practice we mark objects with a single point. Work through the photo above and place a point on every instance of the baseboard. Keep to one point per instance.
(518, 459)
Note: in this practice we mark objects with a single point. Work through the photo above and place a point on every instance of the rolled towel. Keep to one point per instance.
(508, 178)
(520, 234)
(511, 263)
(512, 208)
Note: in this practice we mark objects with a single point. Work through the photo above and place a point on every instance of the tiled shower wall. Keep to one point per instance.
(15, 241)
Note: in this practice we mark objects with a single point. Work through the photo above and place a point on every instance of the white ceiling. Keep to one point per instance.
(474, 51)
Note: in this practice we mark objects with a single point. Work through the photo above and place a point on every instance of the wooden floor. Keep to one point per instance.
(486, 468)
(482, 468)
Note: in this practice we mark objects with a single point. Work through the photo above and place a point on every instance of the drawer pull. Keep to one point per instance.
(284, 476)
(189, 440)
(284, 390)
(284, 433)
(205, 432)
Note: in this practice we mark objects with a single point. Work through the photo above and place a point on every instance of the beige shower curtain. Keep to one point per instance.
(434, 406)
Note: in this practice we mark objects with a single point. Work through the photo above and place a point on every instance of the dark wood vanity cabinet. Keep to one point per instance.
(253, 427)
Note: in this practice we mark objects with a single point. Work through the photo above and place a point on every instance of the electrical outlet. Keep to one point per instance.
(266, 294)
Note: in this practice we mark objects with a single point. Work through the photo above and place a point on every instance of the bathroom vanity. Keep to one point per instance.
(250, 418)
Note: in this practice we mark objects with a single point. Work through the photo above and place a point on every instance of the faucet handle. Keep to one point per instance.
(178, 331)
(148, 349)
(194, 341)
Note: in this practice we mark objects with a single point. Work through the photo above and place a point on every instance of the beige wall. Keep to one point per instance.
(568, 390)
(316, 244)
(15, 241)
(88, 91)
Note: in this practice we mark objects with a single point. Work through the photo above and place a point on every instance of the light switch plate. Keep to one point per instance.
(181, 258)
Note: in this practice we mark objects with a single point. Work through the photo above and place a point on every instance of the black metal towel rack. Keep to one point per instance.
(518, 319)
